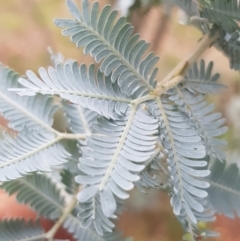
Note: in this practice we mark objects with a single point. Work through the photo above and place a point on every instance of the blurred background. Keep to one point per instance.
(27, 29)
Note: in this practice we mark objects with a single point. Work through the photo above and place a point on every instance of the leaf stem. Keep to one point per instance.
(30, 153)
(119, 147)
(176, 75)
(69, 136)
(50, 234)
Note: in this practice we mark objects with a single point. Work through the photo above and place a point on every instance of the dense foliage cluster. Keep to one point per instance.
(122, 127)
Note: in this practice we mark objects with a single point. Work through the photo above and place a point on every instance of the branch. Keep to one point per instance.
(69, 136)
(176, 75)
(50, 234)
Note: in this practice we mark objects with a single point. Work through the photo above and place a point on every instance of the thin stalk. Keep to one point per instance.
(69, 136)
(50, 234)
(176, 75)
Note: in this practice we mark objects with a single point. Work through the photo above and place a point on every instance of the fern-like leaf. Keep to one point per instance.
(119, 154)
(184, 153)
(23, 112)
(224, 192)
(221, 12)
(79, 118)
(32, 152)
(74, 225)
(19, 229)
(44, 197)
(192, 230)
(92, 216)
(209, 125)
(39, 192)
(200, 80)
(111, 41)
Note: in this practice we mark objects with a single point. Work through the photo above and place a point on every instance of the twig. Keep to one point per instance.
(176, 75)
(50, 234)
(69, 136)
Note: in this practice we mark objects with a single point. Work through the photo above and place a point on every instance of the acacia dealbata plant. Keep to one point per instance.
(124, 128)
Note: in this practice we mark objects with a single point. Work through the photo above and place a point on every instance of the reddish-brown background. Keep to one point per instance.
(26, 29)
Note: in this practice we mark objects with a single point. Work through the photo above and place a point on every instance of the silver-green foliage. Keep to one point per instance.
(37, 140)
(39, 192)
(19, 229)
(225, 15)
(44, 196)
(23, 112)
(111, 43)
(224, 192)
(121, 124)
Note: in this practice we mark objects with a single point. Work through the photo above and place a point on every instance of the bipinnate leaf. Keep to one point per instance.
(30, 152)
(33, 113)
(19, 229)
(224, 191)
(110, 41)
(43, 195)
(78, 85)
(111, 163)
